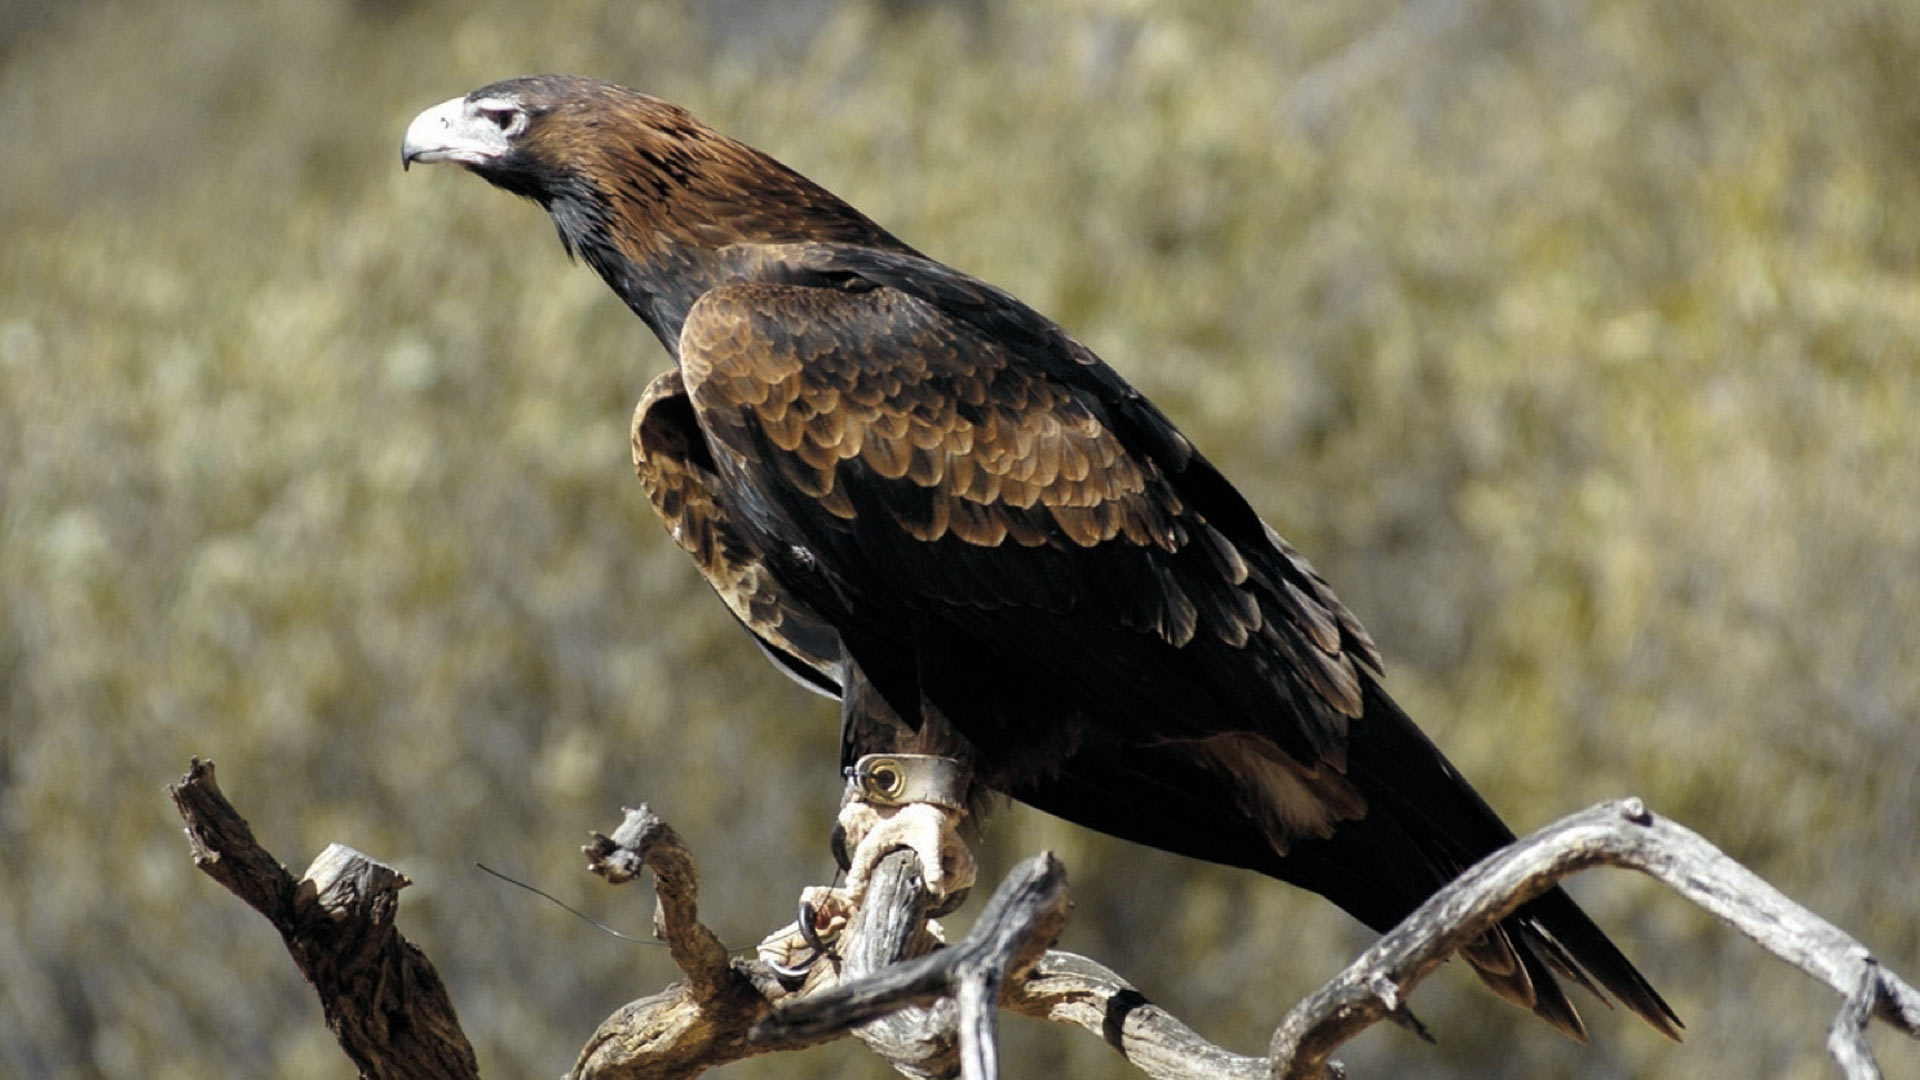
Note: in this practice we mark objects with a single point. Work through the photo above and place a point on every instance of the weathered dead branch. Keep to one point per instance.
(1024, 916)
(1067, 988)
(929, 1010)
(1376, 985)
(382, 999)
(691, 1026)
(891, 927)
(1621, 833)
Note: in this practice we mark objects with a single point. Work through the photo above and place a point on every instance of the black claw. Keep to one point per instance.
(809, 934)
(798, 972)
(838, 842)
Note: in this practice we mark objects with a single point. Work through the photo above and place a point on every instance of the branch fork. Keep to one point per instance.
(930, 1009)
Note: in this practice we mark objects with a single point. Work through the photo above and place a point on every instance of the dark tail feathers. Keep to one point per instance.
(1430, 810)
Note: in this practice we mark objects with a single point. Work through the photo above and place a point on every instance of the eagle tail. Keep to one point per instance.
(1424, 813)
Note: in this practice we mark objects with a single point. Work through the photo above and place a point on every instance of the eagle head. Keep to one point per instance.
(636, 186)
(551, 137)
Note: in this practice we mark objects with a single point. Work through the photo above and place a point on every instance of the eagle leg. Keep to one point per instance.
(892, 801)
(911, 801)
(930, 831)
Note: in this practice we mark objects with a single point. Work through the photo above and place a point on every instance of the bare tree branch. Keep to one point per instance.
(929, 1010)
(1025, 914)
(645, 841)
(889, 928)
(692, 1026)
(1621, 833)
(1067, 988)
(382, 999)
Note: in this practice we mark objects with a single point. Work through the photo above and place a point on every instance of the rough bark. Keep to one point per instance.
(382, 999)
(1621, 833)
(929, 1009)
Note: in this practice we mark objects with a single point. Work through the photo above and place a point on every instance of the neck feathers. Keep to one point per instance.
(650, 197)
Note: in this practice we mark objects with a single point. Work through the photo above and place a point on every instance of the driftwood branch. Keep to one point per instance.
(1621, 833)
(930, 1010)
(691, 1026)
(1024, 916)
(888, 929)
(1067, 988)
(382, 999)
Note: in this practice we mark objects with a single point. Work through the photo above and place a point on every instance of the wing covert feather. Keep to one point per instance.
(671, 459)
(990, 494)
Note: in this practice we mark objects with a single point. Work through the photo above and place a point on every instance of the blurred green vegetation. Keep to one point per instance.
(1578, 344)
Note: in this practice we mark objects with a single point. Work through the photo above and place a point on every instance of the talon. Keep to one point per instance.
(823, 914)
(809, 933)
(837, 842)
(781, 955)
(796, 972)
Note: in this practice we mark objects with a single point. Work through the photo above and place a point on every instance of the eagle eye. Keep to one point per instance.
(509, 119)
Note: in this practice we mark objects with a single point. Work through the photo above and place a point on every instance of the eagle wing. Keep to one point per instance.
(671, 458)
(928, 460)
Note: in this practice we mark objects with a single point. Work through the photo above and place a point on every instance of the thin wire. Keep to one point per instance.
(576, 912)
(595, 923)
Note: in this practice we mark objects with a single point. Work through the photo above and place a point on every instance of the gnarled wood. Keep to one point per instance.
(691, 1026)
(1067, 988)
(1621, 833)
(929, 1009)
(1025, 914)
(382, 998)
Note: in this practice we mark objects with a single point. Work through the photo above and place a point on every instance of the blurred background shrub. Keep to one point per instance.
(1576, 343)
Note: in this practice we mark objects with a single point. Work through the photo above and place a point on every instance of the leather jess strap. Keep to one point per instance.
(898, 779)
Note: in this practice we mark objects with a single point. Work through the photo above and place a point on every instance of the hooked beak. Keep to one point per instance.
(453, 131)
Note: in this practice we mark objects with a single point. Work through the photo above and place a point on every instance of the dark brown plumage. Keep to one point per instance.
(927, 499)
(670, 456)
